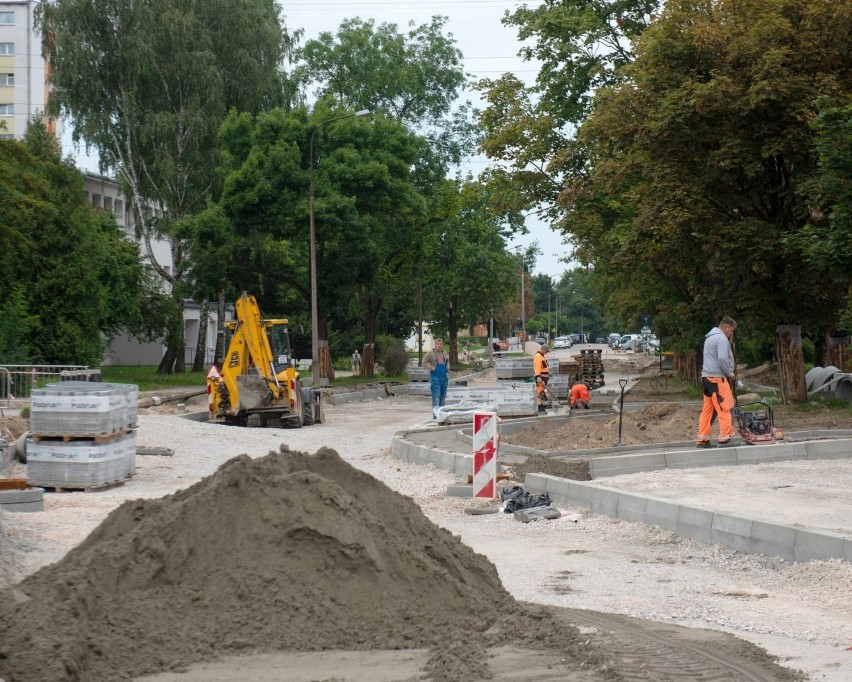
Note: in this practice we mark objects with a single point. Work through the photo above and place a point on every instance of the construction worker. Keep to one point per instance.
(717, 378)
(580, 395)
(438, 364)
(542, 374)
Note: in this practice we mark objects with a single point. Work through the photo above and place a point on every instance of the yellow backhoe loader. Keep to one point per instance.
(257, 376)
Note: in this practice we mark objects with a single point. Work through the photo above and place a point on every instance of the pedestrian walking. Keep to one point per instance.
(718, 374)
(356, 363)
(438, 365)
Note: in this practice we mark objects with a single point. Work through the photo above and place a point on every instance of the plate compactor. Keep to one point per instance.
(755, 422)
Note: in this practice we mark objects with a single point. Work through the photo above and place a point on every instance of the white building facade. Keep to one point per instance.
(105, 194)
(23, 71)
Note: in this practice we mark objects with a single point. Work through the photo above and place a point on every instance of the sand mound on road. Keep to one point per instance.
(286, 552)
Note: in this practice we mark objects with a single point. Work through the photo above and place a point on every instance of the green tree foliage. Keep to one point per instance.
(467, 270)
(581, 45)
(413, 77)
(79, 281)
(367, 208)
(148, 84)
(698, 198)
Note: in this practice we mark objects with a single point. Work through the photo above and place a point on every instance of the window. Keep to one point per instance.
(119, 208)
(7, 78)
(7, 18)
(7, 109)
(7, 48)
(6, 136)
(108, 203)
(96, 201)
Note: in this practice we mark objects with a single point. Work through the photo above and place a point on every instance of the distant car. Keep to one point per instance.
(600, 339)
(575, 337)
(562, 342)
(541, 341)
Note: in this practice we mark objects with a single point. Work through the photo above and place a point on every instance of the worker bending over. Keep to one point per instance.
(580, 395)
(542, 374)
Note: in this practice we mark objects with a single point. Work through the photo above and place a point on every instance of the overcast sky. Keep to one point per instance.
(489, 48)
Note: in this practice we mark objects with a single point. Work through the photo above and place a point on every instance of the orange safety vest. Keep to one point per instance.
(540, 365)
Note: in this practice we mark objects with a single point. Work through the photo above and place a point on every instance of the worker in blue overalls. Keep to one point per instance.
(438, 364)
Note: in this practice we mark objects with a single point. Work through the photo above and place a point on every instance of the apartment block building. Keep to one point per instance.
(23, 71)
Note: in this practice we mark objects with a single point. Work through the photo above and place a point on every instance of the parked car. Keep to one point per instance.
(600, 339)
(631, 342)
(541, 341)
(562, 342)
(612, 339)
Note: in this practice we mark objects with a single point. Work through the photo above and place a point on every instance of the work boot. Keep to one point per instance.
(542, 409)
(705, 444)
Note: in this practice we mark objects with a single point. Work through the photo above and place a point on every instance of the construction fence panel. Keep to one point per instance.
(18, 381)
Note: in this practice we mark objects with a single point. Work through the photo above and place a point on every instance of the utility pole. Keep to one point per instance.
(419, 322)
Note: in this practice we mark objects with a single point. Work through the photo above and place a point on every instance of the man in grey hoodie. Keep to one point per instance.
(717, 380)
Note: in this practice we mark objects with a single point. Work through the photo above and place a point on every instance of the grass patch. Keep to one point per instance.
(820, 404)
(148, 380)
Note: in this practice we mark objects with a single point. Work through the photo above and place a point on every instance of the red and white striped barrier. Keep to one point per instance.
(485, 442)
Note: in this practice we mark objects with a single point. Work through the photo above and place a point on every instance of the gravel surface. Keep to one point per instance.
(799, 612)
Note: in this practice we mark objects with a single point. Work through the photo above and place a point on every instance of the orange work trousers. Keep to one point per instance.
(719, 401)
(540, 385)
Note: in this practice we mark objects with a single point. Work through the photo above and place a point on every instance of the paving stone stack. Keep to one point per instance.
(513, 370)
(590, 367)
(419, 381)
(82, 434)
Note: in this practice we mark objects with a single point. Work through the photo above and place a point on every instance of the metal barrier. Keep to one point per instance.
(18, 381)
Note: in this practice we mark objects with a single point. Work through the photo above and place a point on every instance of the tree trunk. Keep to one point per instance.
(686, 366)
(453, 329)
(201, 343)
(220, 330)
(791, 367)
(839, 352)
(368, 357)
(326, 367)
(173, 360)
(370, 305)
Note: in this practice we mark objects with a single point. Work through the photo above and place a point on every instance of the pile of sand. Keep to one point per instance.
(287, 552)
(657, 423)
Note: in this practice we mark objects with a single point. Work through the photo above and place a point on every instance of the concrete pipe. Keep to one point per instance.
(818, 377)
(21, 447)
(843, 388)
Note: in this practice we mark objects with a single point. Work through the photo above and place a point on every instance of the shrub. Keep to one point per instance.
(395, 359)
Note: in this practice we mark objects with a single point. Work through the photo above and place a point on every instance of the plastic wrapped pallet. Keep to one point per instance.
(82, 463)
(510, 401)
(514, 368)
(81, 408)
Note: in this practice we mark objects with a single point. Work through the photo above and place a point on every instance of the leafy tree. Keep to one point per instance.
(148, 84)
(581, 44)
(79, 281)
(708, 181)
(413, 77)
(467, 269)
(367, 209)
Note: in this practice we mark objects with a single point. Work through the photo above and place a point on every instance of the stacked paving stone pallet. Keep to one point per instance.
(82, 434)
(516, 400)
(419, 381)
(511, 371)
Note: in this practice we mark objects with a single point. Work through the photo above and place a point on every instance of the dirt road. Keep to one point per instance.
(798, 612)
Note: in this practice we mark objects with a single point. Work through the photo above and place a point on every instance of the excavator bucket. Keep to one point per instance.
(254, 392)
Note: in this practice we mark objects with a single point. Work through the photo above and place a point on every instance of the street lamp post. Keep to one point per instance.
(523, 305)
(315, 367)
